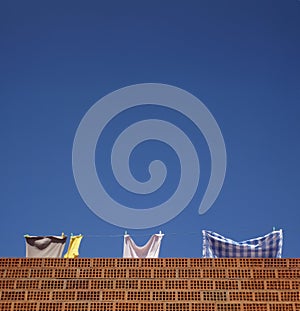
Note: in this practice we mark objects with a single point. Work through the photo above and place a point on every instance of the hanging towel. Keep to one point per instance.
(149, 250)
(45, 246)
(73, 249)
(217, 246)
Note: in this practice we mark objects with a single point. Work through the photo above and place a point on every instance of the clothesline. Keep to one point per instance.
(136, 235)
(214, 245)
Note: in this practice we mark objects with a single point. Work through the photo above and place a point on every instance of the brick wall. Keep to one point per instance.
(165, 284)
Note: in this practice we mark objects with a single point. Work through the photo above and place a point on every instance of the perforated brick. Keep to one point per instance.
(226, 284)
(201, 262)
(60, 295)
(189, 296)
(103, 262)
(38, 295)
(25, 306)
(288, 273)
(106, 284)
(77, 284)
(252, 284)
(214, 273)
(32, 262)
(78, 262)
(189, 273)
(128, 263)
(180, 306)
(127, 284)
(76, 306)
(278, 284)
(114, 273)
(41, 273)
(138, 295)
(152, 263)
(50, 306)
(151, 306)
(255, 307)
(102, 306)
(113, 295)
(177, 262)
(7, 284)
(214, 296)
(177, 284)
(293, 262)
(9, 262)
(164, 273)
(281, 307)
(266, 296)
(140, 273)
(164, 296)
(264, 273)
(12, 295)
(250, 262)
(50, 284)
(295, 284)
(239, 273)
(240, 296)
(90, 273)
(275, 262)
(126, 306)
(90, 295)
(203, 306)
(152, 284)
(202, 284)
(65, 273)
(6, 306)
(229, 307)
(53, 262)
(14, 273)
(226, 262)
(290, 296)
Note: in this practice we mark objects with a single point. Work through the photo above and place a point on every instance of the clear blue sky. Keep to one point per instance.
(241, 58)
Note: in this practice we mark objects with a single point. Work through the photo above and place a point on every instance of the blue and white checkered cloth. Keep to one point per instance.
(217, 246)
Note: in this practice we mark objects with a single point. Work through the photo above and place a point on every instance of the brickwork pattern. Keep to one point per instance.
(165, 284)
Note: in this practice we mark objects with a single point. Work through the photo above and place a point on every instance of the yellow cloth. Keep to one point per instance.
(74, 247)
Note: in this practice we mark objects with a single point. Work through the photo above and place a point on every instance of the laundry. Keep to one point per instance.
(217, 246)
(149, 250)
(73, 249)
(45, 246)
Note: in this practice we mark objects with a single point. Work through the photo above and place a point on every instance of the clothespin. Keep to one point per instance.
(71, 234)
(274, 229)
(125, 233)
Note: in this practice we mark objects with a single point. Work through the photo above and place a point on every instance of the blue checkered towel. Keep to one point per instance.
(217, 246)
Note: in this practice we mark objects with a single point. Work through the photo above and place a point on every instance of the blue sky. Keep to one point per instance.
(240, 58)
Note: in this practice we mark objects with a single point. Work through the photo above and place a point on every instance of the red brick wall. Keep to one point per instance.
(165, 284)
